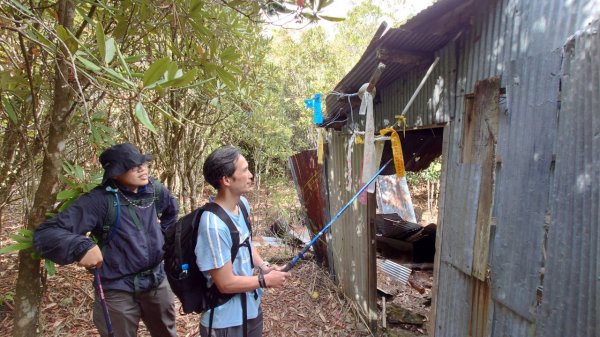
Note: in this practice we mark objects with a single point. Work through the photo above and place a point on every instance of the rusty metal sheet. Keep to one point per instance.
(308, 179)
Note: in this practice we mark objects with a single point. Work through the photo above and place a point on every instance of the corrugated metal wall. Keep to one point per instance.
(351, 240)
(521, 42)
(571, 288)
(427, 109)
(543, 234)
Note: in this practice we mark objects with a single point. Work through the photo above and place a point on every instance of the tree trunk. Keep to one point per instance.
(7, 177)
(28, 290)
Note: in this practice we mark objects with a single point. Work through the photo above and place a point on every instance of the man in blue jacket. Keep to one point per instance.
(122, 215)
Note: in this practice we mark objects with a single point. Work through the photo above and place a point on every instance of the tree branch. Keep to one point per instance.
(85, 23)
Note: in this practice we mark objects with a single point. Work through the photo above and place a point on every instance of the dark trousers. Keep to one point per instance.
(155, 308)
(255, 328)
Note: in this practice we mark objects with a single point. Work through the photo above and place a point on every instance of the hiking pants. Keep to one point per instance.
(255, 328)
(154, 307)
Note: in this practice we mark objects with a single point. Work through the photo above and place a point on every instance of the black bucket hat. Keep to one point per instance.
(119, 158)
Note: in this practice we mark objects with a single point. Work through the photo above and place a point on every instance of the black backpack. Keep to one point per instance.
(186, 280)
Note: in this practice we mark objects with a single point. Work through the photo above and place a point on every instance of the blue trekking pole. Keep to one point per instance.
(100, 291)
(335, 217)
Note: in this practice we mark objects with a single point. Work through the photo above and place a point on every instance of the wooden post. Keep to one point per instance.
(383, 313)
(375, 77)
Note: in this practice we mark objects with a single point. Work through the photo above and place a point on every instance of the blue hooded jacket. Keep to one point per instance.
(133, 255)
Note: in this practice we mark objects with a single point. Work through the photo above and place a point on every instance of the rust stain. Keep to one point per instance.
(480, 306)
(308, 179)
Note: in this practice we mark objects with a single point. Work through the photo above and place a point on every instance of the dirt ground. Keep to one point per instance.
(309, 305)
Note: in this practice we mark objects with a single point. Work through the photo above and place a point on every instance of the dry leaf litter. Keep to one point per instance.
(310, 304)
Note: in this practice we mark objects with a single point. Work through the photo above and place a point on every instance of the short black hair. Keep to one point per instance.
(220, 163)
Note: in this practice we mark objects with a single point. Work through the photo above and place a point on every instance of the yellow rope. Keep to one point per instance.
(320, 148)
(401, 122)
(396, 150)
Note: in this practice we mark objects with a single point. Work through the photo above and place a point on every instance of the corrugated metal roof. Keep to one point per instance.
(414, 36)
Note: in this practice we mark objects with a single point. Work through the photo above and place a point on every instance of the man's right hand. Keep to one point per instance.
(276, 278)
(92, 258)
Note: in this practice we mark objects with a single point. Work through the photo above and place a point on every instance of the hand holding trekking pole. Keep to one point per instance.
(92, 258)
(276, 278)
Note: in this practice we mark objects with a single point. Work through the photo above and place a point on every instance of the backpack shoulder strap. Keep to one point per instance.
(244, 211)
(246, 216)
(235, 234)
(112, 219)
(158, 188)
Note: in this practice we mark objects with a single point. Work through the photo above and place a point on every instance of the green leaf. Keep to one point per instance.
(196, 7)
(122, 25)
(119, 76)
(21, 238)
(110, 47)
(123, 62)
(96, 136)
(229, 53)
(141, 114)
(66, 204)
(67, 194)
(15, 247)
(6, 103)
(210, 66)
(324, 3)
(68, 167)
(66, 38)
(90, 186)
(226, 77)
(233, 69)
(22, 8)
(89, 64)
(50, 267)
(166, 114)
(310, 16)
(203, 33)
(185, 79)
(172, 71)
(109, 81)
(84, 16)
(25, 232)
(134, 58)
(101, 40)
(331, 18)
(79, 173)
(156, 70)
(41, 39)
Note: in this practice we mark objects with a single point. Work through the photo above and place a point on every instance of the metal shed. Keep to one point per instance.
(516, 91)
